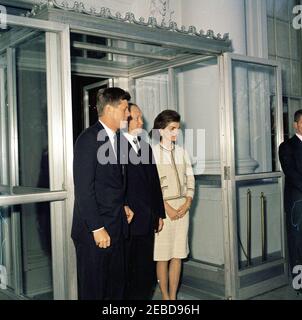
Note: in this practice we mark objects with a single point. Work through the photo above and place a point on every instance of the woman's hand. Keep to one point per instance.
(171, 212)
(182, 210)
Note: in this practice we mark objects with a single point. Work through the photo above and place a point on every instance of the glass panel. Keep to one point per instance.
(24, 114)
(286, 118)
(296, 79)
(151, 95)
(206, 242)
(270, 7)
(92, 101)
(198, 103)
(282, 30)
(31, 252)
(259, 221)
(145, 48)
(271, 36)
(32, 113)
(286, 75)
(196, 84)
(4, 142)
(196, 88)
(206, 223)
(36, 250)
(282, 9)
(133, 54)
(295, 44)
(6, 257)
(255, 103)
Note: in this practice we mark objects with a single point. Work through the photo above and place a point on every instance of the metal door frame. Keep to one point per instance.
(229, 177)
(59, 133)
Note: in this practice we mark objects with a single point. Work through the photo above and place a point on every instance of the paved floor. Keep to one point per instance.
(284, 293)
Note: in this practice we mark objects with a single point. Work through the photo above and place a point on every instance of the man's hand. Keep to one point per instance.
(102, 238)
(129, 214)
(160, 225)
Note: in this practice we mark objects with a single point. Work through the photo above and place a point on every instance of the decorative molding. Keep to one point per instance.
(162, 10)
(129, 17)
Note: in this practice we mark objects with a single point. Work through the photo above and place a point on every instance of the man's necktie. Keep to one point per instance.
(138, 150)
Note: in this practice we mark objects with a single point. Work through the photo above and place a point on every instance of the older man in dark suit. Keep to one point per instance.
(290, 154)
(144, 198)
(100, 220)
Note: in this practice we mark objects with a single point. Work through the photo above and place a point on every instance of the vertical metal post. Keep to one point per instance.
(263, 227)
(14, 165)
(172, 99)
(249, 227)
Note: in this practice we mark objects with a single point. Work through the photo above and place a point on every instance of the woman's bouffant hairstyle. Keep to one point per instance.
(162, 121)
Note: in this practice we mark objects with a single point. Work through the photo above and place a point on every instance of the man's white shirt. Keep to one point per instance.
(299, 136)
(131, 139)
(110, 133)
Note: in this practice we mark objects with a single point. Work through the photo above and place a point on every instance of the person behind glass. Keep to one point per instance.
(99, 219)
(290, 155)
(144, 197)
(178, 186)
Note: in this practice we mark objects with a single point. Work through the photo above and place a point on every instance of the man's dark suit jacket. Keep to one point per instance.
(290, 155)
(144, 195)
(99, 189)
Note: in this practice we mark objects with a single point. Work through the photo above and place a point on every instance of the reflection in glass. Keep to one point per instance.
(36, 250)
(151, 94)
(127, 55)
(32, 113)
(259, 221)
(255, 105)
(198, 102)
(30, 250)
(6, 258)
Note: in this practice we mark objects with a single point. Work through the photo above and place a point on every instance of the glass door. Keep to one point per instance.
(36, 159)
(251, 131)
(151, 93)
(90, 99)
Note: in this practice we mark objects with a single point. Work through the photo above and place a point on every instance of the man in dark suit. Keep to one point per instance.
(144, 197)
(290, 155)
(99, 219)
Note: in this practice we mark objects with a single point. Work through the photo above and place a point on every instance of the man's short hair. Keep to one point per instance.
(110, 96)
(130, 105)
(298, 115)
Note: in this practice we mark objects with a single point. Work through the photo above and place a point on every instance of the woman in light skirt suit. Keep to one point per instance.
(178, 185)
